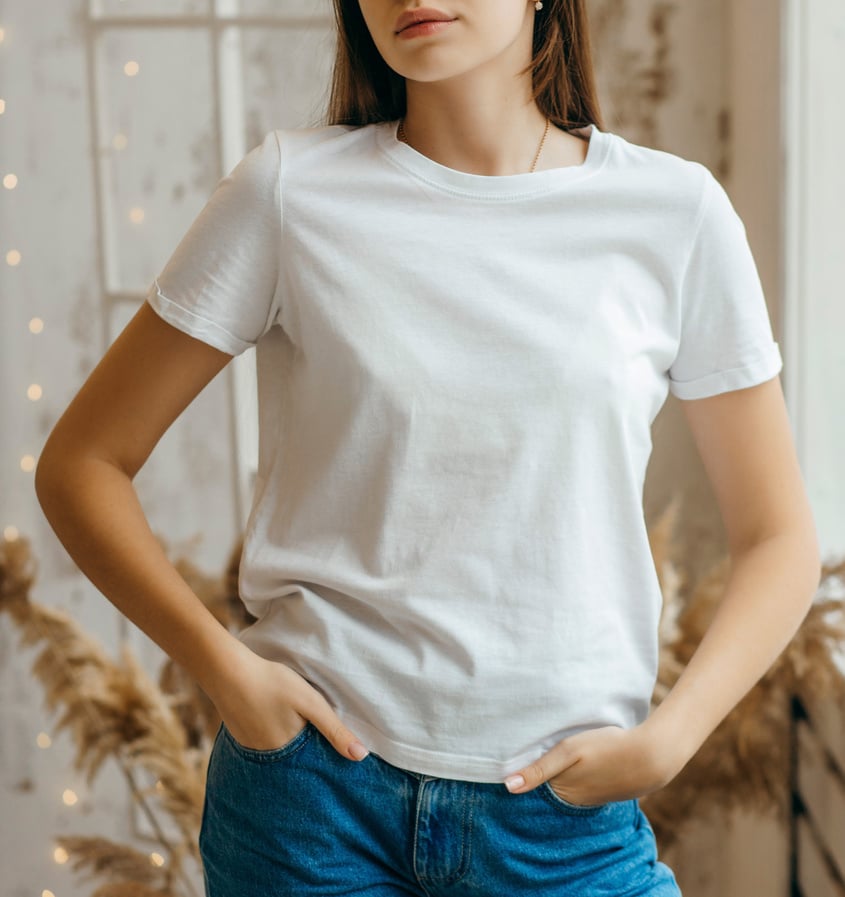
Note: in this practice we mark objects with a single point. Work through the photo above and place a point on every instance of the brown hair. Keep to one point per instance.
(365, 89)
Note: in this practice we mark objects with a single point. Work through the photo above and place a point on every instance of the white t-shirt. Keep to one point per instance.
(457, 378)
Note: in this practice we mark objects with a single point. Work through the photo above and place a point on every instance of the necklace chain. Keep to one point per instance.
(400, 133)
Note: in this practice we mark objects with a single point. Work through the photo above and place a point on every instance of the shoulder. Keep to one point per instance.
(678, 182)
(283, 145)
(259, 170)
(305, 144)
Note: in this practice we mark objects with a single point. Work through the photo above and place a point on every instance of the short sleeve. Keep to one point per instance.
(726, 339)
(220, 285)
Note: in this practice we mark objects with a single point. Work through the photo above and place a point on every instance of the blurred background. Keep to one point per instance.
(117, 119)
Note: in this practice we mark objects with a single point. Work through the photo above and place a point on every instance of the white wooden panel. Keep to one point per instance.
(270, 78)
(828, 721)
(822, 790)
(814, 131)
(814, 876)
(149, 7)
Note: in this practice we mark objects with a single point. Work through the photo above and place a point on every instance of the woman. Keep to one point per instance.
(469, 302)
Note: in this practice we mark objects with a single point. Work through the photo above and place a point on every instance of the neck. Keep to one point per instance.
(446, 151)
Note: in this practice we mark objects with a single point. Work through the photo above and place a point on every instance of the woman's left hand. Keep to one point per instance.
(604, 764)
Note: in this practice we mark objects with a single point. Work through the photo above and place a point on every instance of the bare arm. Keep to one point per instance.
(83, 481)
(745, 443)
(84, 485)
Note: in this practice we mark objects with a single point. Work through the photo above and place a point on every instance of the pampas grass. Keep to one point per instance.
(100, 856)
(113, 709)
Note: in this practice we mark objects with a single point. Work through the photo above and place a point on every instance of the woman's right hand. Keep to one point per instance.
(265, 704)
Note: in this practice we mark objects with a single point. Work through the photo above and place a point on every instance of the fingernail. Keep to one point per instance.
(514, 782)
(357, 750)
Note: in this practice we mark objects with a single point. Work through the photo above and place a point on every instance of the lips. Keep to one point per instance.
(417, 16)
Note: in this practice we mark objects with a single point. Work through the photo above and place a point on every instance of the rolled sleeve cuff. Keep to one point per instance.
(765, 366)
(195, 325)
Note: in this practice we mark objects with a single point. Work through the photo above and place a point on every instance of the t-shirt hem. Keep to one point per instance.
(434, 763)
(195, 325)
(758, 371)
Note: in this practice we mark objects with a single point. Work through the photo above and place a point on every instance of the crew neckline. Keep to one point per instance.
(503, 186)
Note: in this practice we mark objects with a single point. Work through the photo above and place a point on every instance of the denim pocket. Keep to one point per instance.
(575, 809)
(270, 754)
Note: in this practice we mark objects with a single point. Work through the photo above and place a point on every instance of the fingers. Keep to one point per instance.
(345, 742)
(342, 740)
(279, 695)
(553, 762)
(527, 778)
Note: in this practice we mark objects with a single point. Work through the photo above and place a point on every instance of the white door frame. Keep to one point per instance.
(813, 134)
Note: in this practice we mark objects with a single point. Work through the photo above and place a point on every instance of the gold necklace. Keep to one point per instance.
(400, 133)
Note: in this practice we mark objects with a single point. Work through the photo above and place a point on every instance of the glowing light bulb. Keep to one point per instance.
(2, 35)
(156, 859)
(10, 533)
(136, 215)
(131, 69)
(2, 106)
(13, 257)
(60, 855)
(33, 392)
(10, 181)
(46, 893)
(27, 463)
(43, 740)
(69, 797)
(36, 325)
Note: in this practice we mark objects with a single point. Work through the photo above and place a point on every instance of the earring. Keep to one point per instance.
(538, 5)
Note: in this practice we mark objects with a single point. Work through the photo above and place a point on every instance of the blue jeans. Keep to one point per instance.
(303, 821)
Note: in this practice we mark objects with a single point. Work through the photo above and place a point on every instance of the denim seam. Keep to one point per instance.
(466, 842)
(566, 806)
(253, 755)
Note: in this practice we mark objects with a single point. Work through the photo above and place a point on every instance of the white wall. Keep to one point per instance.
(92, 148)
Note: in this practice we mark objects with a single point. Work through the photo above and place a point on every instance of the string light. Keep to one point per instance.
(10, 532)
(34, 392)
